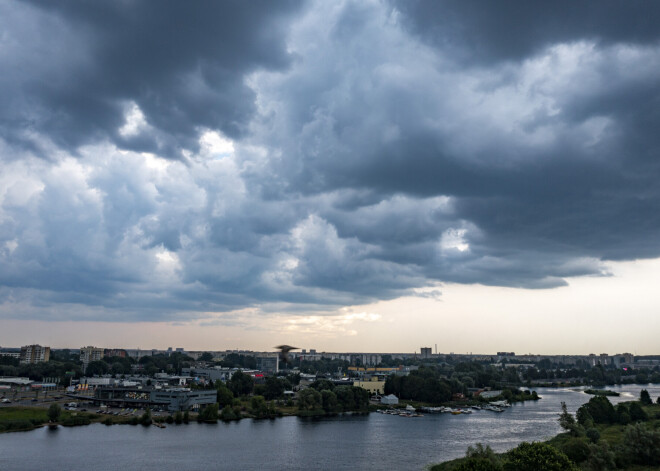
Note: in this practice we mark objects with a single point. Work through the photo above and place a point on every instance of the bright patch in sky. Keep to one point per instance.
(135, 121)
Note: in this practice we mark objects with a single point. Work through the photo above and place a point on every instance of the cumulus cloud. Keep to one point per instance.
(162, 162)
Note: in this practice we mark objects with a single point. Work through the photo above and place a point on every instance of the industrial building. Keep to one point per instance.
(174, 399)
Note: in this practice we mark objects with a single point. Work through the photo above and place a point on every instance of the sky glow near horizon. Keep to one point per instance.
(345, 176)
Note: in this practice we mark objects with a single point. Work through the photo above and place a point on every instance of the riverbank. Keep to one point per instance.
(25, 418)
(630, 446)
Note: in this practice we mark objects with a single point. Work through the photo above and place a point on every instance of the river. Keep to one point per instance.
(364, 442)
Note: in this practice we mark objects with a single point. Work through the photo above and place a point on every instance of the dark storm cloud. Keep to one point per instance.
(378, 147)
(537, 120)
(183, 64)
(484, 32)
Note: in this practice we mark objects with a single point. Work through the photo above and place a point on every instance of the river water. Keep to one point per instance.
(363, 442)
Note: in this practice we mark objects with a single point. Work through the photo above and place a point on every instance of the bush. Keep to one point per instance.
(72, 421)
(641, 445)
(537, 457)
(477, 464)
(209, 414)
(577, 449)
(481, 458)
(19, 424)
(601, 458)
(178, 417)
(107, 421)
(134, 421)
(227, 413)
(593, 435)
(145, 419)
(169, 419)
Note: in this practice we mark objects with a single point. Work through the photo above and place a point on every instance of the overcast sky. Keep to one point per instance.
(345, 175)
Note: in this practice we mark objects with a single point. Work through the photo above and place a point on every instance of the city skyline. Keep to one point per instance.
(345, 176)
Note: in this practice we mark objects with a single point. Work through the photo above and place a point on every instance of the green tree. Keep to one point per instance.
(537, 457)
(97, 368)
(54, 412)
(145, 419)
(622, 414)
(645, 397)
(636, 412)
(258, 406)
(225, 396)
(274, 388)
(206, 356)
(599, 409)
(329, 401)
(209, 413)
(309, 399)
(321, 384)
(567, 421)
(345, 397)
(240, 384)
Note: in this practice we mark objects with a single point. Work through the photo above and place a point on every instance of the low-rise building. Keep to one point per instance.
(184, 399)
(11, 354)
(390, 400)
(173, 399)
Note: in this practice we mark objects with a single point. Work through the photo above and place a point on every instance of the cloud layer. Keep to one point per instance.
(162, 162)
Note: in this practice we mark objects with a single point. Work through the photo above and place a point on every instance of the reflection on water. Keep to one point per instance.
(374, 441)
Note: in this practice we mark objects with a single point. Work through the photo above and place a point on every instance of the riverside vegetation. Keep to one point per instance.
(600, 437)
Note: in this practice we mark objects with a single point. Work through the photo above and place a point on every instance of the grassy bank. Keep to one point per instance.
(22, 419)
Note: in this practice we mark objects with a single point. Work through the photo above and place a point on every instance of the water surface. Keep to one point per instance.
(365, 442)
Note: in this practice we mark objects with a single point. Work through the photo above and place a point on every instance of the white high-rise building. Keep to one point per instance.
(34, 354)
(89, 354)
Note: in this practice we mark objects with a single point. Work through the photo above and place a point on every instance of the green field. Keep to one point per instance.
(20, 418)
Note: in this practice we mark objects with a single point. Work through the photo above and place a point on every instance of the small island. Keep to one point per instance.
(601, 392)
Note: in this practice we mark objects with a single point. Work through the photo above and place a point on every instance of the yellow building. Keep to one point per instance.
(374, 385)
